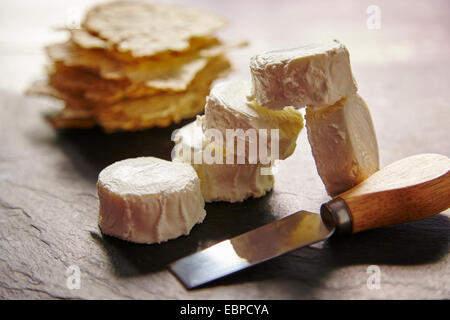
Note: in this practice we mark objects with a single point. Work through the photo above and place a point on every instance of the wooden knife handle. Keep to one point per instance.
(410, 189)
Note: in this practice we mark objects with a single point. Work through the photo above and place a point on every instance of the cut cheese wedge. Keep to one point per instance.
(148, 200)
(219, 181)
(312, 75)
(227, 108)
(343, 143)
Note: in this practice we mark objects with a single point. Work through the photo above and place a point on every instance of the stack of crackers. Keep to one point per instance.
(135, 65)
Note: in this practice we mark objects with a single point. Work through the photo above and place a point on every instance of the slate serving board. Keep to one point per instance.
(49, 204)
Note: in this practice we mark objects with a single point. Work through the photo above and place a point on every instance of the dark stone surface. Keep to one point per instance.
(48, 212)
(48, 197)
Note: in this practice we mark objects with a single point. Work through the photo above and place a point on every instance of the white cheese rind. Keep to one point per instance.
(343, 143)
(227, 107)
(312, 75)
(149, 200)
(219, 182)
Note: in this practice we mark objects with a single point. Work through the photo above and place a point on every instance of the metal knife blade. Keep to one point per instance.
(294, 231)
(407, 190)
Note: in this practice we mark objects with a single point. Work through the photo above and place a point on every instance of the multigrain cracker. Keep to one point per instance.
(138, 70)
(165, 109)
(134, 114)
(105, 80)
(86, 40)
(143, 29)
(135, 65)
(71, 99)
(68, 118)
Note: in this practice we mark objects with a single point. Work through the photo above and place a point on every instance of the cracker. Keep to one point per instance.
(85, 40)
(165, 109)
(135, 65)
(134, 114)
(139, 70)
(98, 61)
(143, 29)
(76, 70)
(68, 119)
(88, 41)
(81, 82)
(71, 99)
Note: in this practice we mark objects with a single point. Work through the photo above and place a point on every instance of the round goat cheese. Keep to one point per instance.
(343, 143)
(312, 75)
(148, 200)
(228, 109)
(220, 181)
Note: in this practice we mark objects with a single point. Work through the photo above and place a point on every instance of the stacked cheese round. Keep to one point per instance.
(219, 181)
(343, 142)
(228, 107)
(148, 200)
(311, 75)
(237, 173)
(339, 124)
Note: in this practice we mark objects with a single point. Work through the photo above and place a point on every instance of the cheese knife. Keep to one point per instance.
(410, 189)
